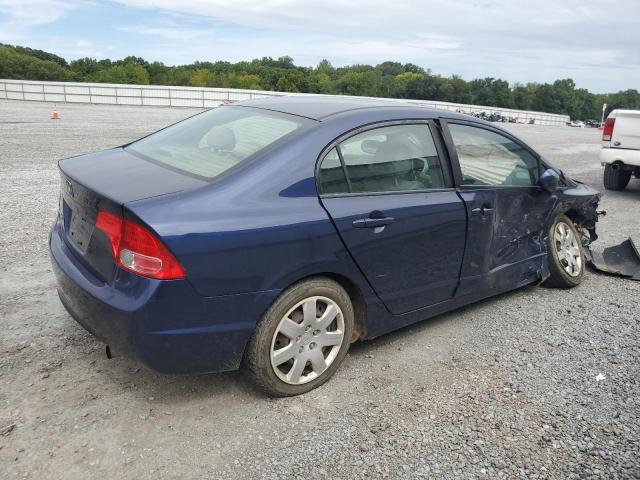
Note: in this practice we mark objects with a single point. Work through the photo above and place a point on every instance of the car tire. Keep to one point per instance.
(615, 177)
(566, 255)
(291, 329)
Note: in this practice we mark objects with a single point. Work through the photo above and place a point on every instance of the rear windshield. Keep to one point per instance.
(211, 143)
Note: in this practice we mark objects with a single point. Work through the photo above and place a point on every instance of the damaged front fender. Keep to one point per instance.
(580, 204)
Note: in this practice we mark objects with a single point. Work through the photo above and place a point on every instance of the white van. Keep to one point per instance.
(620, 154)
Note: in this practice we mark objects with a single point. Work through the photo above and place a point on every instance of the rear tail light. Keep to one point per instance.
(607, 131)
(137, 250)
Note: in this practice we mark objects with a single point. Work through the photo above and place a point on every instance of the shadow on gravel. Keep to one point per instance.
(423, 327)
(632, 192)
(176, 391)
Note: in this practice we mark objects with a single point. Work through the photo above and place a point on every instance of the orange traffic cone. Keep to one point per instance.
(54, 115)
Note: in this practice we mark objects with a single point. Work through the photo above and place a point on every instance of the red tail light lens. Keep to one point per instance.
(607, 131)
(111, 225)
(137, 250)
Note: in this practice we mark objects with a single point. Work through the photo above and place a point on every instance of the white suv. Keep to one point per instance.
(620, 154)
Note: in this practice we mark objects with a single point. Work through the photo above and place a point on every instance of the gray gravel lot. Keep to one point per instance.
(504, 388)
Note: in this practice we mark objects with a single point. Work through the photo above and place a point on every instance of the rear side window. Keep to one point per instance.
(332, 177)
(396, 158)
(488, 158)
(211, 143)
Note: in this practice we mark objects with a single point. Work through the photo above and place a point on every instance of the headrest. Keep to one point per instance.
(221, 138)
(395, 156)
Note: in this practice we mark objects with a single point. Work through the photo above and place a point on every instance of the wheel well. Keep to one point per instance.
(582, 223)
(357, 299)
(617, 163)
(625, 167)
(573, 215)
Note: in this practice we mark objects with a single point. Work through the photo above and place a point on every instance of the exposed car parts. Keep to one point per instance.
(622, 260)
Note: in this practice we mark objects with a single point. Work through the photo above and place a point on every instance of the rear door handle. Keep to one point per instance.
(482, 210)
(372, 222)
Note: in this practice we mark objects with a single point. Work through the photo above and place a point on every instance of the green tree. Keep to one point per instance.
(523, 96)
(387, 79)
(291, 81)
(18, 65)
(133, 74)
(359, 83)
(201, 78)
(319, 83)
(85, 67)
(325, 67)
(629, 99)
(405, 82)
(251, 82)
(490, 91)
(459, 92)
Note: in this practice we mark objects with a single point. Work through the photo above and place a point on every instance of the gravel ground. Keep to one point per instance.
(538, 383)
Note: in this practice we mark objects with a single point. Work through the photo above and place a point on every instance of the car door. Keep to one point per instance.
(392, 200)
(508, 213)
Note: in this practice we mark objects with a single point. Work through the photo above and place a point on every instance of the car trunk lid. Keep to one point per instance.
(123, 177)
(107, 181)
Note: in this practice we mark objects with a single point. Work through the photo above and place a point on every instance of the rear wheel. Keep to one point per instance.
(302, 339)
(566, 256)
(615, 177)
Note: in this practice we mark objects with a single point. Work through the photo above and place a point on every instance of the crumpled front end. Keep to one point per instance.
(580, 204)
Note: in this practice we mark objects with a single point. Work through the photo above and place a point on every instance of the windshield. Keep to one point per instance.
(211, 143)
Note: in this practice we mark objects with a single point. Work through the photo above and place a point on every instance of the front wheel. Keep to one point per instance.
(302, 339)
(566, 256)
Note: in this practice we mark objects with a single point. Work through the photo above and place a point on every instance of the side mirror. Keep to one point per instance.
(549, 180)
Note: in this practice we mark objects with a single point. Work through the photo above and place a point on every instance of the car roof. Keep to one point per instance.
(619, 111)
(320, 107)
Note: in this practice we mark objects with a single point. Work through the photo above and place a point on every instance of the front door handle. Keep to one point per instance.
(372, 222)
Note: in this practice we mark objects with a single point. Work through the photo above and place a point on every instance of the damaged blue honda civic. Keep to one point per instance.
(269, 235)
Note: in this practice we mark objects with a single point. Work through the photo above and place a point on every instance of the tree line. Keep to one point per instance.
(387, 79)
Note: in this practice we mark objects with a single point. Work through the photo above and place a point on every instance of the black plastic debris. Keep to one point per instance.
(622, 260)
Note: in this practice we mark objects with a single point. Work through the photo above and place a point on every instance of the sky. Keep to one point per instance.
(595, 42)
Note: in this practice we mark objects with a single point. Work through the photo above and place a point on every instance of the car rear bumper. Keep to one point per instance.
(167, 325)
(628, 157)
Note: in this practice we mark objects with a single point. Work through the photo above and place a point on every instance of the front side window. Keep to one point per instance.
(388, 159)
(488, 158)
(209, 144)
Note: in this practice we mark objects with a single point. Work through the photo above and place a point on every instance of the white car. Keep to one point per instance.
(620, 154)
(577, 123)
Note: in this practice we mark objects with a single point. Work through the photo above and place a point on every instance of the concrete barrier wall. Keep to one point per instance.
(166, 96)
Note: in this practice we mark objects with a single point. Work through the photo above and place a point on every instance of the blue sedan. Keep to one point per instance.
(271, 234)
